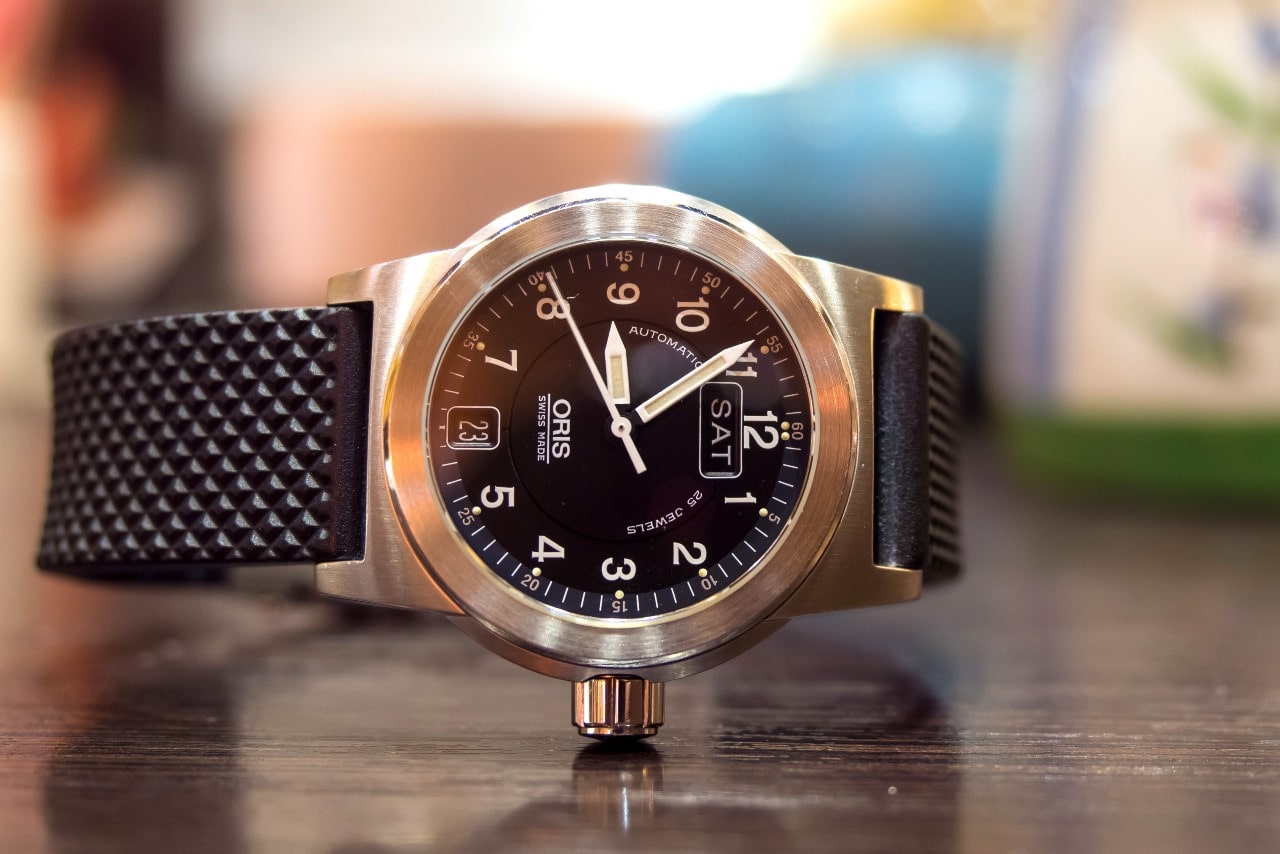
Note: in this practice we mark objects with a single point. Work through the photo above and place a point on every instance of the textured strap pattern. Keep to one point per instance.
(946, 378)
(917, 386)
(185, 444)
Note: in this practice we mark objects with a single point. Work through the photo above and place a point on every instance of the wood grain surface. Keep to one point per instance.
(1104, 679)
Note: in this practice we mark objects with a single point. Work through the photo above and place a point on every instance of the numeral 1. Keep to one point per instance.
(749, 359)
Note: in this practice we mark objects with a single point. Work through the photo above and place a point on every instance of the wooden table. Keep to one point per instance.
(1105, 679)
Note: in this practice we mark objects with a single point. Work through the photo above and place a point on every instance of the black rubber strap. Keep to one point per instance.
(183, 445)
(917, 392)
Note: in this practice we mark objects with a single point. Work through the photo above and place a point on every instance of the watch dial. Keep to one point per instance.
(619, 429)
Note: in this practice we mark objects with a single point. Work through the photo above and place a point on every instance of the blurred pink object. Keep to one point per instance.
(20, 22)
(22, 220)
(316, 191)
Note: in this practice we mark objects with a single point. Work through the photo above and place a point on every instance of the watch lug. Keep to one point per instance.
(841, 289)
(392, 285)
(846, 576)
(389, 572)
(832, 587)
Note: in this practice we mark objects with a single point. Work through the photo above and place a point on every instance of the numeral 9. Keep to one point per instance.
(623, 294)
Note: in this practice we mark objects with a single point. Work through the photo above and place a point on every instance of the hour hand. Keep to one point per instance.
(618, 425)
(617, 376)
(687, 384)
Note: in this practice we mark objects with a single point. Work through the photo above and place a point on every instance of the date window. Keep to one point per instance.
(720, 430)
(473, 428)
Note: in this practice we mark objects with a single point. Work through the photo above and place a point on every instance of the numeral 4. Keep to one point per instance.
(548, 549)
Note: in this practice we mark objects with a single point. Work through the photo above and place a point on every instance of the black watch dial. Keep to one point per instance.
(620, 429)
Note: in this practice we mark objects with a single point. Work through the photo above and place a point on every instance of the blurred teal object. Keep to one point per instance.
(888, 162)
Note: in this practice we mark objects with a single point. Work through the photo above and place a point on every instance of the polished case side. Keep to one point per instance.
(388, 573)
(833, 568)
(846, 575)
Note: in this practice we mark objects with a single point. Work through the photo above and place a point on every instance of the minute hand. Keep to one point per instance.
(687, 384)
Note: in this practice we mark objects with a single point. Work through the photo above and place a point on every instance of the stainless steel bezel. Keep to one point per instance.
(537, 635)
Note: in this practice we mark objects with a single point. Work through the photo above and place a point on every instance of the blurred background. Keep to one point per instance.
(1086, 188)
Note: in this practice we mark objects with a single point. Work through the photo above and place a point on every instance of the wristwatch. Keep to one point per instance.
(619, 436)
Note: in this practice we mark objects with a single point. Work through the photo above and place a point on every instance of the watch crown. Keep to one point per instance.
(617, 706)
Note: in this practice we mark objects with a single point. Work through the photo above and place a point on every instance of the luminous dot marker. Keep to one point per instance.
(765, 349)
(785, 425)
(702, 573)
(475, 511)
(542, 289)
(624, 267)
(479, 345)
(764, 513)
(786, 437)
(706, 290)
(537, 571)
(618, 594)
